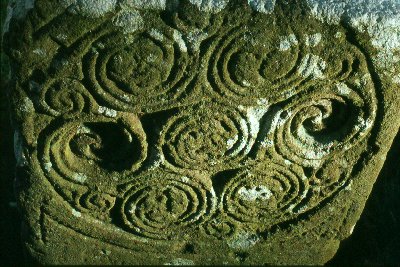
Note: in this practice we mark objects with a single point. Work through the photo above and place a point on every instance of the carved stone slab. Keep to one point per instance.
(199, 132)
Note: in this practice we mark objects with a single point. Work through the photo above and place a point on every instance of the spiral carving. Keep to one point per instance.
(269, 194)
(93, 149)
(64, 96)
(165, 205)
(262, 110)
(245, 62)
(308, 131)
(219, 228)
(95, 203)
(147, 70)
(207, 137)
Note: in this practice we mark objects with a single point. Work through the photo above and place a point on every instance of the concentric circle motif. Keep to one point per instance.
(219, 228)
(208, 137)
(93, 149)
(63, 96)
(268, 194)
(269, 113)
(165, 205)
(144, 70)
(326, 119)
(245, 63)
(95, 203)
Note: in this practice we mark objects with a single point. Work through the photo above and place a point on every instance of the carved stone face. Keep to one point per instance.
(204, 133)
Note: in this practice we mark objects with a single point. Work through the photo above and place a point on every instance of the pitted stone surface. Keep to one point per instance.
(199, 132)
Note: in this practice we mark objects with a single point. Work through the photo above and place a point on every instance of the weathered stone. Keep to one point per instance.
(199, 132)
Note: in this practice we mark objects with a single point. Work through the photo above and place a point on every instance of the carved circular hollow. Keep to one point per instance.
(92, 149)
(308, 132)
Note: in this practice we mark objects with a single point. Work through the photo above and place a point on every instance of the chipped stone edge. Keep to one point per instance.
(380, 19)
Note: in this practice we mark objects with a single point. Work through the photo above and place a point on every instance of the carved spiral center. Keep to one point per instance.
(205, 138)
(158, 208)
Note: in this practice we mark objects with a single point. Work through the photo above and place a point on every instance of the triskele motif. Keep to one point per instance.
(199, 122)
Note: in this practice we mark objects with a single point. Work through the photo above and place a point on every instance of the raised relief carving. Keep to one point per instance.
(179, 123)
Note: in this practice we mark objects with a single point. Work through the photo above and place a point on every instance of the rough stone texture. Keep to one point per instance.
(199, 132)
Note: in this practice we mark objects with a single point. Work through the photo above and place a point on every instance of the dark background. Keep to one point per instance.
(375, 240)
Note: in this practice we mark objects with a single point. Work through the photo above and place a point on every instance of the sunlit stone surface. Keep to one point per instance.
(199, 132)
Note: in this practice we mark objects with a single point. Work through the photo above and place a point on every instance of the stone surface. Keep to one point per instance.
(198, 132)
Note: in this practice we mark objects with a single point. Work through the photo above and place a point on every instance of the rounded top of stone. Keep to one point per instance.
(380, 19)
(331, 11)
